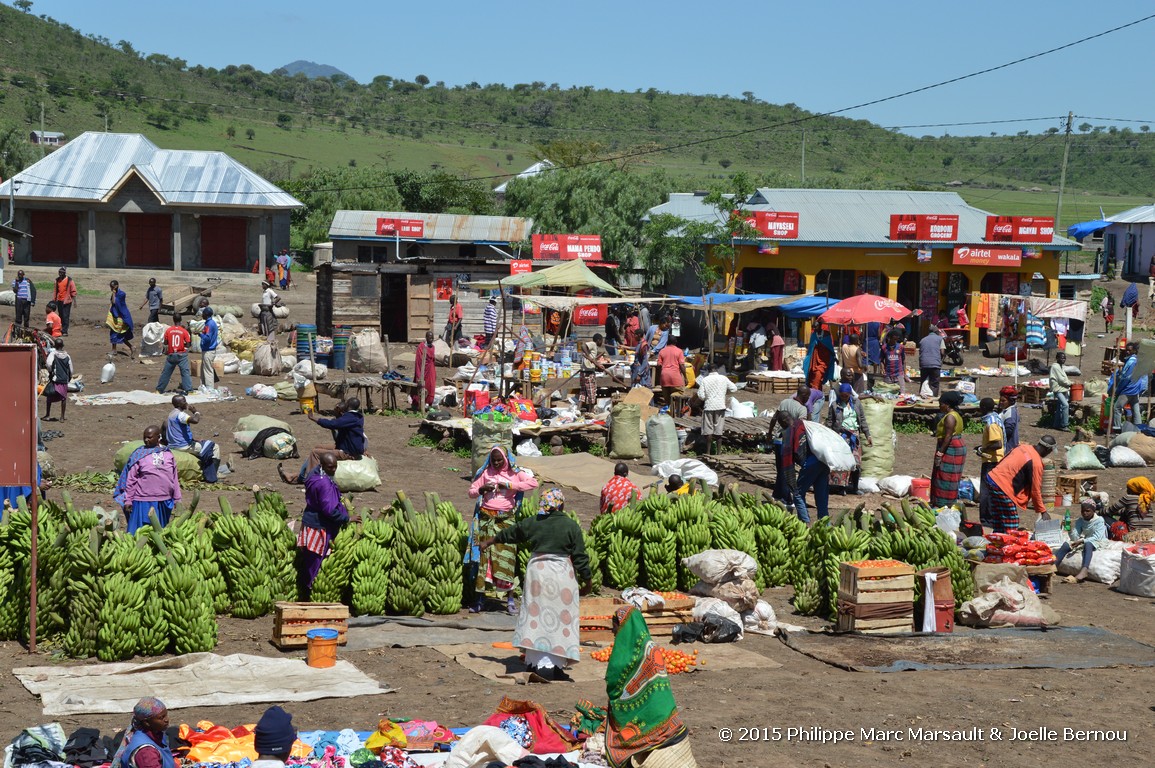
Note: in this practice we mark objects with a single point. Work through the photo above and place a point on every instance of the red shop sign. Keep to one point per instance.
(588, 247)
(933, 227)
(777, 225)
(520, 266)
(1021, 229)
(401, 227)
(589, 314)
(984, 256)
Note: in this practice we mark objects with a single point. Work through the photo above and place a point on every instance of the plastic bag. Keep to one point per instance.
(896, 485)
(715, 566)
(829, 447)
(307, 369)
(262, 392)
(878, 459)
(152, 340)
(925, 392)
(739, 594)
(527, 448)
(279, 446)
(354, 476)
(662, 437)
(868, 485)
(625, 431)
(738, 410)
(1082, 456)
(1137, 572)
(1122, 456)
(687, 469)
(705, 607)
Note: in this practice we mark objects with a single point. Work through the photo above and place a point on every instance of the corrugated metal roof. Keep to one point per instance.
(851, 216)
(92, 167)
(449, 227)
(1144, 214)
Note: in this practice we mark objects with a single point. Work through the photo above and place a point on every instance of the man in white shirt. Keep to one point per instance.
(1061, 390)
(713, 388)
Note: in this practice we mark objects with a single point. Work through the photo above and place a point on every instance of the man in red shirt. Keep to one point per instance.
(176, 344)
(64, 296)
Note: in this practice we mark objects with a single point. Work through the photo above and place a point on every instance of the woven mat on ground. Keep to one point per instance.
(580, 471)
(193, 680)
(1059, 648)
(505, 665)
(367, 632)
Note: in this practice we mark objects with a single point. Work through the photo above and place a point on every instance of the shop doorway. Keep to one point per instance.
(394, 301)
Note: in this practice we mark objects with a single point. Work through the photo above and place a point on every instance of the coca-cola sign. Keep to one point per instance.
(401, 227)
(589, 314)
(1021, 229)
(988, 256)
(777, 225)
(927, 227)
(587, 247)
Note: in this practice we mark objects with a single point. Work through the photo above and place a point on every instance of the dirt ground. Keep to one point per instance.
(801, 694)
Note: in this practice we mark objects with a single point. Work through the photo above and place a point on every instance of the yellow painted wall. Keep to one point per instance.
(893, 263)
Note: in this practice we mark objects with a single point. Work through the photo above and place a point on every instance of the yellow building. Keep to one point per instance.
(939, 253)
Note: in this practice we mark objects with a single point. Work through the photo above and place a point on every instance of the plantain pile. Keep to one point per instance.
(244, 561)
(446, 582)
(373, 560)
(334, 580)
(692, 531)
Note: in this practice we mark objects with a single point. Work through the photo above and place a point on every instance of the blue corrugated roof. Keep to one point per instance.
(850, 216)
(93, 166)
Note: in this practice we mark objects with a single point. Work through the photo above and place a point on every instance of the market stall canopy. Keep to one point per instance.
(808, 305)
(864, 308)
(567, 303)
(1084, 228)
(1068, 308)
(568, 274)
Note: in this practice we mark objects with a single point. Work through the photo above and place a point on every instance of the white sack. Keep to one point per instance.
(705, 606)
(829, 447)
(1137, 574)
(689, 469)
(896, 485)
(715, 566)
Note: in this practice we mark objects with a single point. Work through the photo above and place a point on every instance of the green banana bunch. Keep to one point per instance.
(622, 560)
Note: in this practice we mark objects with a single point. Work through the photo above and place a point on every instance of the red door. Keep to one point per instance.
(54, 237)
(224, 242)
(148, 240)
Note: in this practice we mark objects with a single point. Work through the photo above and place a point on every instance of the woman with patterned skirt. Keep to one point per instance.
(950, 454)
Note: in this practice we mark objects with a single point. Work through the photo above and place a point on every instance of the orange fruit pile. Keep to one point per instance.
(602, 654)
(676, 661)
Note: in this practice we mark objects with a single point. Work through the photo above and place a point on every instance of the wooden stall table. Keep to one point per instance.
(1078, 484)
(366, 386)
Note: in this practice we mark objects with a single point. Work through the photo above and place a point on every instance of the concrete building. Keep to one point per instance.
(1129, 240)
(395, 271)
(116, 200)
(47, 138)
(840, 242)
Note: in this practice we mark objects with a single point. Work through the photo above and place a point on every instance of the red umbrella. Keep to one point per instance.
(864, 308)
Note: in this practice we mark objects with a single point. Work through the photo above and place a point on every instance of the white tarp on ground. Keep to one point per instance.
(145, 397)
(193, 680)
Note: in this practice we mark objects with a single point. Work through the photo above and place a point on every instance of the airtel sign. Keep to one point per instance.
(995, 257)
(1020, 229)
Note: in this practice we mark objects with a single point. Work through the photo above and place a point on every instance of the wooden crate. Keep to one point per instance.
(1045, 575)
(901, 621)
(1077, 484)
(1032, 395)
(292, 621)
(759, 384)
(597, 613)
(854, 580)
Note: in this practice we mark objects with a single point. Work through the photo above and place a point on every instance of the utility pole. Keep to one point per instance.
(1063, 173)
(106, 119)
(42, 129)
(803, 157)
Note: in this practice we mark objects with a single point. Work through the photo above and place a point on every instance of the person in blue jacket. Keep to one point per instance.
(210, 340)
(145, 744)
(1128, 385)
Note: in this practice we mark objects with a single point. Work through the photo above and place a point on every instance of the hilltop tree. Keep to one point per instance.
(15, 152)
(421, 80)
(569, 153)
(725, 163)
(23, 5)
(231, 132)
(1084, 127)
(250, 134)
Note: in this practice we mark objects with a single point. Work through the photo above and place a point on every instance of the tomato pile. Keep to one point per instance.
(876, 563)
(676, 661)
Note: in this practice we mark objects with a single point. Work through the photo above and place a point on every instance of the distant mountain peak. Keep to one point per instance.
(312, 69)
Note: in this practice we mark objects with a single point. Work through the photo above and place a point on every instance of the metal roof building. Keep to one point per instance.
(118, 200)
(841, 241)
(1129, 240)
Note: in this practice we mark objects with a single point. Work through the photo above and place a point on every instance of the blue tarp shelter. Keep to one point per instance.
(1084, 228)
(796, 307)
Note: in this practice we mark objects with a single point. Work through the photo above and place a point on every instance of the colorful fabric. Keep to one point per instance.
(512, 481)
(945, 478)
(118, 308)
(550, 613)
(518, 729)
(1142, 487)
(497, 565)
(617, 494)
(643, 715)
(819, 362)
(138, 517)
(395, 757)
(991, 451)
(548, 736)
(551, 501)
(425, 371)
(1020, 476)
(388, 734)
(426, 735)
(1004, 513)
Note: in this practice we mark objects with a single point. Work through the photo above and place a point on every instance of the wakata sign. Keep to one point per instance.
(983, 256)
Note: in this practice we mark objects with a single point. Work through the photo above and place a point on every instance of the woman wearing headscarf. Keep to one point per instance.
(498, 487)
(640, 374)
(643, 727)
(848, 419)
(950, 452)
(1129, 507)
(547, 626)
(119, 318)
(819, 362)
(145, 744)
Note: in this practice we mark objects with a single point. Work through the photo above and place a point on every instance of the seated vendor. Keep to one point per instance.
(1120, 517)
(676, 486)
(348, 428)
(1089, 529)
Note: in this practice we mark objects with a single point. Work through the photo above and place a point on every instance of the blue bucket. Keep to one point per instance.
(322, 634)
(338, 358)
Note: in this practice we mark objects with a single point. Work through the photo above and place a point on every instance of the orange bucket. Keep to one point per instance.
(920, 488)
(322, 650)
(1076, 391)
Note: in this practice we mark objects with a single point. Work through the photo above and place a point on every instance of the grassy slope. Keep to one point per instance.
(472, 131)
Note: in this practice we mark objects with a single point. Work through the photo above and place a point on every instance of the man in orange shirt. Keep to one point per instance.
(64, 296)
(52, 321)
(1015, 482)
(176, 343)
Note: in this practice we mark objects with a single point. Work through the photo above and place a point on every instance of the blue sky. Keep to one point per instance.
(819, 54)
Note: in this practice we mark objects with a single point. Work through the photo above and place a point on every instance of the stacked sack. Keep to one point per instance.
(725, 574)
(1016, 548)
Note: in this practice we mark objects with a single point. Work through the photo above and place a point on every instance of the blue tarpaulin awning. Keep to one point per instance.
(1084, 228)
(791, 306)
